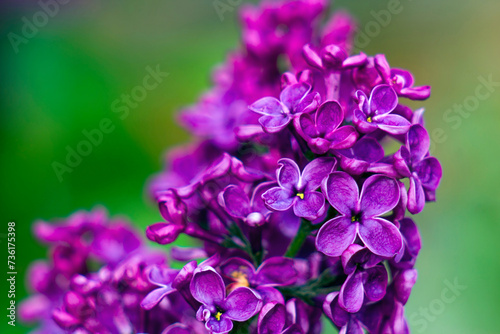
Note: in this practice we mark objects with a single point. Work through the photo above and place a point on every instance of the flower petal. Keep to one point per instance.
(276, 271)
(383, 100)
(272, 318)
(342, 192)
(336, 235)
(278, 199)
(429, 172)
(418, 143)
(380, 237)
(268, 106)
(292, 95)
(288, 174)
(393, 124)
(224, 325)
(379, 195)
(375, 283)
(207, 286)
(154, 297)
(351, 294)
(316, 171)
(235, 201)
(416, 196)
(242, 304)
(273, 124)
(342, 138)
(328, 117)
(311, 206)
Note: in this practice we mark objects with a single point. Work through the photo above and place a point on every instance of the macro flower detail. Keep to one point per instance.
(298, 189)
(366, 277)
(277, 114)
(217, 310)
(237, 204)
(359, 215)
(322, 132)
(424, 172)
(401, 80)
(375, 112)
(275, 271)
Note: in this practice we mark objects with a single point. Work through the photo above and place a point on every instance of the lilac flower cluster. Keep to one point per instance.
(299, 211)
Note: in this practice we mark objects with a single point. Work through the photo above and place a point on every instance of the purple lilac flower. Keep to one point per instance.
(401, 80)
(275, 271)
(277, 114)
(272, 320)
(424, 172)
(322, 133)
(359, 215)
(218, 310)
(375, 112)
(367, 278)
(298, 189)
(237, 204)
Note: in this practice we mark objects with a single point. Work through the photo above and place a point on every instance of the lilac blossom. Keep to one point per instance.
(277, 114)
(218, 310)
(298, 189)
(413, 161)
(322, 133)
(367, 278)
(375, 112)
(359, 215)
(275, 271)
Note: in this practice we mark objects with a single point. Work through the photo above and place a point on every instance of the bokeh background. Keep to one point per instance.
(64, 79)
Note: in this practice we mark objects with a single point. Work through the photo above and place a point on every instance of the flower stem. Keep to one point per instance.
(305, 229)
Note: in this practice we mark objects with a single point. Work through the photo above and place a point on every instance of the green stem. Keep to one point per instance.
(305, 229)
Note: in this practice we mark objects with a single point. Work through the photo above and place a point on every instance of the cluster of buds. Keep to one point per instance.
(299, 211)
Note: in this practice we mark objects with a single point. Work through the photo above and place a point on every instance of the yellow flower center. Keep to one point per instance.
(240, 278)
(218, 315)
(369, 119)
(300, 195)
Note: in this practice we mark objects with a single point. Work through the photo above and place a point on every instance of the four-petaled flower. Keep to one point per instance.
(237, 204)
(375, 112)
(424, 172)
(275, 271)
(359, 215)
(294, 100)
(298, 190)
(367, 276)
(217, 310)
(322, 132)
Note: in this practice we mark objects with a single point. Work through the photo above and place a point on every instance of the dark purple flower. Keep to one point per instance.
(424, 172)
(163, 278)
(294, 100)
(347, 322)
(411, 239)
(322, 133)
(298, 190)
(375, 112)
(358, 159)
(237, 204)
(272, 320)
(401, 80)
(359, 215)
(367, 278)
(217, 310)
(275, 271)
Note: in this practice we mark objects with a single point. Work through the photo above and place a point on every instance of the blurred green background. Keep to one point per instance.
(64, 79)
